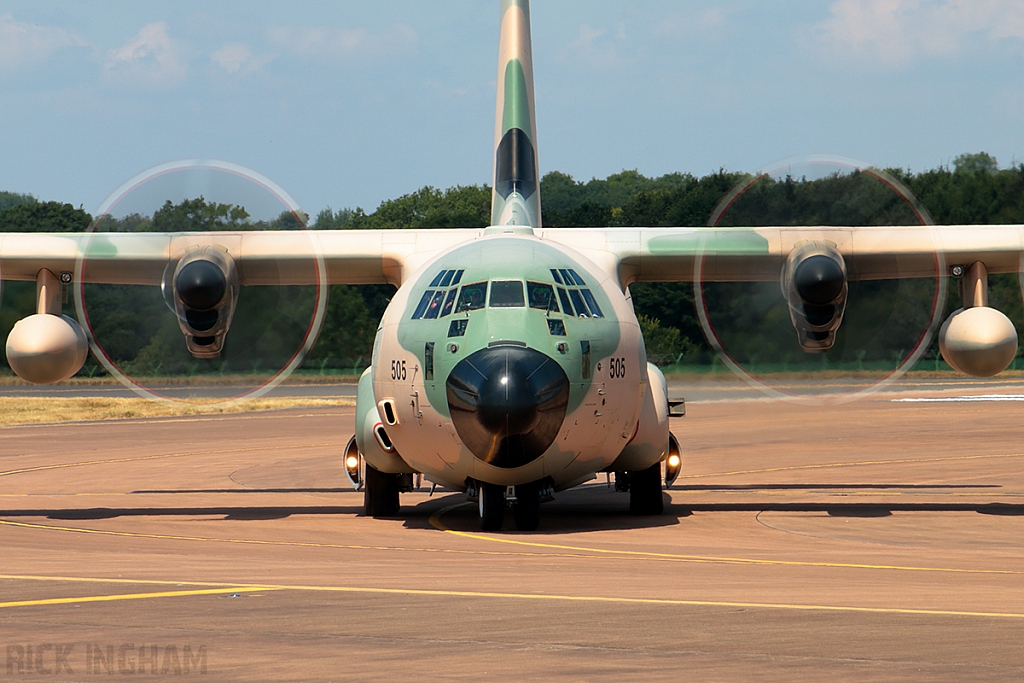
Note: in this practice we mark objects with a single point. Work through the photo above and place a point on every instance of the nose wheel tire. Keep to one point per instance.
(492, 507)
(527, 507)
(645, 491)
(380, 497)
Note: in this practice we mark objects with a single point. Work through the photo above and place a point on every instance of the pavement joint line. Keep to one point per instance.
(159, 456)
(252, 588)
(119, 580)
(217, 417)
(435, 521)
(133, 596)
(299, 544)
(861, 463)
(574, 552)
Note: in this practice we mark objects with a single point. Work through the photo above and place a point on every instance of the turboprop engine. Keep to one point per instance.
(47, 347)
(814, 284)
(203, 289)
(977, 340)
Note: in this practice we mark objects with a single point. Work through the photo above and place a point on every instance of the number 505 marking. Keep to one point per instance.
(398, 369)
(616, 368)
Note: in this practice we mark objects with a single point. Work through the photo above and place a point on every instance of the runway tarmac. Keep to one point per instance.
(878, 540)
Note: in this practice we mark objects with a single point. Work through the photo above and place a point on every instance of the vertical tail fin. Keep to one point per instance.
(515, 197)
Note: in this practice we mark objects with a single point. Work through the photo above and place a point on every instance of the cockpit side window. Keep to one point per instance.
(577, 301)
(507, 294)
(595, 310)
(472, 297)
(435, 306)
(541, 296)
(449, 302)
(421, 308)
(447, 279)
(564, 298)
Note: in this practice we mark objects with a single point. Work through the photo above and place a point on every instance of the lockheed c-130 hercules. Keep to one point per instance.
(510, 363)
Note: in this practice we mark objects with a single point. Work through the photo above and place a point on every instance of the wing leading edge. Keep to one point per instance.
(630, 254)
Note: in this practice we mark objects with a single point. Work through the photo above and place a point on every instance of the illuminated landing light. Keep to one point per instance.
(674, 461)
(353, 464)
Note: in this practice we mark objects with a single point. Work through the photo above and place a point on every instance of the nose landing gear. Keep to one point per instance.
(524, 499)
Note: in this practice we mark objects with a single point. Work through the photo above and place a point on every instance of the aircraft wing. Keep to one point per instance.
(262, 257)
(757, 254)
(634, 254)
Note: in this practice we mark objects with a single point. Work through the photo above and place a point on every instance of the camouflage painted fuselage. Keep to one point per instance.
(606, 385)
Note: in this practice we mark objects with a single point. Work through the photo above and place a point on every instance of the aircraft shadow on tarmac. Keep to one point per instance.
(828, 487)
(246, 490)
(579, 511)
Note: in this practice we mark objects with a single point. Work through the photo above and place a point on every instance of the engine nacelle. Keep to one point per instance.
(814, 284)
(203, 290)
(978, 341)
(45, 348)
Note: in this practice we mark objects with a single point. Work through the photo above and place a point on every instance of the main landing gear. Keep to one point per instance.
(493, 500)
(645, 491)
(380, 495)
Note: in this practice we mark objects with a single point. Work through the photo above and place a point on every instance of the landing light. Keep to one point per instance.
(674, 461)
(353, 463)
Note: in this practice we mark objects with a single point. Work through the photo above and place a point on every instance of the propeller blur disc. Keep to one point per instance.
(134, 331)
(887, 325)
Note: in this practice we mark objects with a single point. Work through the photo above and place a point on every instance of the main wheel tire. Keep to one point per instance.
(380, 496)
(491, 502)
(645, 491)
(527, 507)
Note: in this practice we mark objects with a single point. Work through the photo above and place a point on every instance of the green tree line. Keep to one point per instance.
(884, 319)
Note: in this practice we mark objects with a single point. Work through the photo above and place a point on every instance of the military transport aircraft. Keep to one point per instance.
(510, 364)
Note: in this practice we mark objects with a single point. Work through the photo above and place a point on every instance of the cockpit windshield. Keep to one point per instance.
(472, 297)
(542, 296)
(570, 297)
(507, 294)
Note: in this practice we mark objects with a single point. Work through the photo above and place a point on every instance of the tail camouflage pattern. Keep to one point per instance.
(515, 198)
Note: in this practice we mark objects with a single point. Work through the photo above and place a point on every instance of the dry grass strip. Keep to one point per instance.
(45, 409)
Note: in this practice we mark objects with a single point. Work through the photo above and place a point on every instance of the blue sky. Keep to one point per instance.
(349, 103)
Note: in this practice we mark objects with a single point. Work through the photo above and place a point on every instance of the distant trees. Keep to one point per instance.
(34, 216)
(139, 330)
(457, 207)
(9, 199)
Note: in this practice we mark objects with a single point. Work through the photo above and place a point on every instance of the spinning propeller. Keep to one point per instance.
(196, 331)
(825, 314)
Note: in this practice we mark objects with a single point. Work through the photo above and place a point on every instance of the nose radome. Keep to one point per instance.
(507, 403)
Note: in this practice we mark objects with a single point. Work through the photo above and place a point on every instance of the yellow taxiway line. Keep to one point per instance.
(132, 596)
(617, 600)
(435, 521)
(574, 552)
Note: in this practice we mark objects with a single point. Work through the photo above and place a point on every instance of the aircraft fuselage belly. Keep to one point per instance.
(548, 300)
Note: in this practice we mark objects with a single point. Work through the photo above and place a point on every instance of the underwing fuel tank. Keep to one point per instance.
(978, 341)
(44, 348)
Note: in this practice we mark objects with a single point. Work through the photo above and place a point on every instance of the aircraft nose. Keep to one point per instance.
(507, 403)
